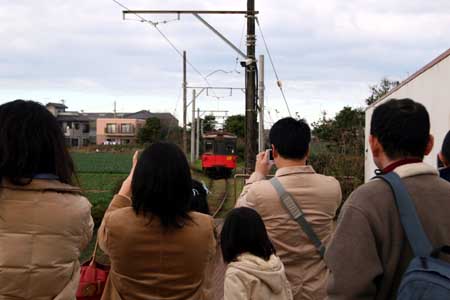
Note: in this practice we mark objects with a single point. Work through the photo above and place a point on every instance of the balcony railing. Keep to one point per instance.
(132, 131)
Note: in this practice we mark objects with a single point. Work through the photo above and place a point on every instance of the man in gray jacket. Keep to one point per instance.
(369, 252)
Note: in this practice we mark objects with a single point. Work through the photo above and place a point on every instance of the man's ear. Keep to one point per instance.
(442, 159)
(375, 146)
(430, 145)
(274, 151)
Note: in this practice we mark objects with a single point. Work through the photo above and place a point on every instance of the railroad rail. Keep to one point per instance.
(222, 196)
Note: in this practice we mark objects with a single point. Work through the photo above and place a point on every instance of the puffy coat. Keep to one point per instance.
(43, 228)
(251, 277)
(151, 262)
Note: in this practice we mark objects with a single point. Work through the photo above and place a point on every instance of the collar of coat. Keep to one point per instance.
(415, 169)
(295, 170)
(42, 185)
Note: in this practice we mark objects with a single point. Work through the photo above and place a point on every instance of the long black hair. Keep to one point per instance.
(244, 231)
(162, 185)
(32, 142)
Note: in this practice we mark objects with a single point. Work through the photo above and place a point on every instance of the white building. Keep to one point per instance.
(429, 86)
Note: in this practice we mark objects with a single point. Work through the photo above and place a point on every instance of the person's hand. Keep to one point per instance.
(263, 165)
(125, 190)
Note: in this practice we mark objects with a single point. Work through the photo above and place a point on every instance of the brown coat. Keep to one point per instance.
(43, 228)
(319, 196)
(369, 252)
(149, 262)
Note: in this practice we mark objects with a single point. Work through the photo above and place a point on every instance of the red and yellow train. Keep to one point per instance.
(219, 154)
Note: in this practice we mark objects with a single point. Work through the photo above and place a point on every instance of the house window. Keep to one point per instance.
(126, 128)
(77, 126)
(74, 142)
(85, 127)
(111, 128)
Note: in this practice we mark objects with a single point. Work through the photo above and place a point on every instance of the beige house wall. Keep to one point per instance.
(118, 131)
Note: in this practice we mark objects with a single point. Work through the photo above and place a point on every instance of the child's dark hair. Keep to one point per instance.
(244, 231)
(199, 200)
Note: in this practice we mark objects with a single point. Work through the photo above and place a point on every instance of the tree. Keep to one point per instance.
(345, 131)
(209, 123)
(235, 124)
(380, 90)
(151, 132)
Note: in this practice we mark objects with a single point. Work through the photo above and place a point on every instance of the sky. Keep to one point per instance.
(326, 52)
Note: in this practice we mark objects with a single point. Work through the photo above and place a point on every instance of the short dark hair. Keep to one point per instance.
(402, 126)
(446, 147)
(199, 200)
(162, 185)
(31, 143)
(291, 138)
(244, 231)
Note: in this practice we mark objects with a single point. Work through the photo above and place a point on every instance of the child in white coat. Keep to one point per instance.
(254, 271)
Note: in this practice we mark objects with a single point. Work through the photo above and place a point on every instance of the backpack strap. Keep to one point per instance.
(297, 214)
(417, 238)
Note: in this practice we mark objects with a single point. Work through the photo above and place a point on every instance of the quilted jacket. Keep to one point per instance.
(43, 228)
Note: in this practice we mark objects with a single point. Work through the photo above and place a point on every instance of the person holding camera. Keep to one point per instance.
(298, 206)
(159, 248)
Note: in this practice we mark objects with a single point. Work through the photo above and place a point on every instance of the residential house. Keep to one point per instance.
(117, 131)
(83, 128)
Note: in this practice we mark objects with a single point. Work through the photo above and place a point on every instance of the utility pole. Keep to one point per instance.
(197, 148)
(193, 128)
(250, 91)
(249, 62)
(261, 88)
(184, 103)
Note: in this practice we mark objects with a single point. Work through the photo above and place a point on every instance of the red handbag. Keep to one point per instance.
(93, 278)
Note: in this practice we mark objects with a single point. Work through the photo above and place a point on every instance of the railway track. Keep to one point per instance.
(219, 194)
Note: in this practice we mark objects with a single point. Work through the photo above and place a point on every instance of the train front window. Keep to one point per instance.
(209, 147)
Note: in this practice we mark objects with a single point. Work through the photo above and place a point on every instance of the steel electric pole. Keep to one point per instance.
(250, 91)
(184, 103)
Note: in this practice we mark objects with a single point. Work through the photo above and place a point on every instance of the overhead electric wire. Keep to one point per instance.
(155, 25)
(279, 83)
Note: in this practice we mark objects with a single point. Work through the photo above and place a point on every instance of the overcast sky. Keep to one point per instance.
(327, 52)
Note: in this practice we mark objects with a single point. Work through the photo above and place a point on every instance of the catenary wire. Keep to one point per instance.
(155, 25)
(279, 83)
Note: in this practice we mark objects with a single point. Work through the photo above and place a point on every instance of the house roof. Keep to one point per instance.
(415, 75)
(56, 105)
(142, 114)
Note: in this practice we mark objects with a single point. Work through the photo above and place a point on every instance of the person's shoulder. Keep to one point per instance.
(326, 179)
(202, 220)
(370, 194)
(260, 188)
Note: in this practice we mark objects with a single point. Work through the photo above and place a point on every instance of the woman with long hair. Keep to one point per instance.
(159, 248)
(45, 222)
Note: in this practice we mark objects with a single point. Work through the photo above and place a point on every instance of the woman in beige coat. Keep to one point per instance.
(44, 220)
(159, 249)
(254, 271)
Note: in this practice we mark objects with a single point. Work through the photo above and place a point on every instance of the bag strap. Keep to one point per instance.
(297, 214)
(94, 253)
(417, 238)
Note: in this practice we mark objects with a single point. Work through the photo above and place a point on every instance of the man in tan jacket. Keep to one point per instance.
(319, 197)
(369, 252)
